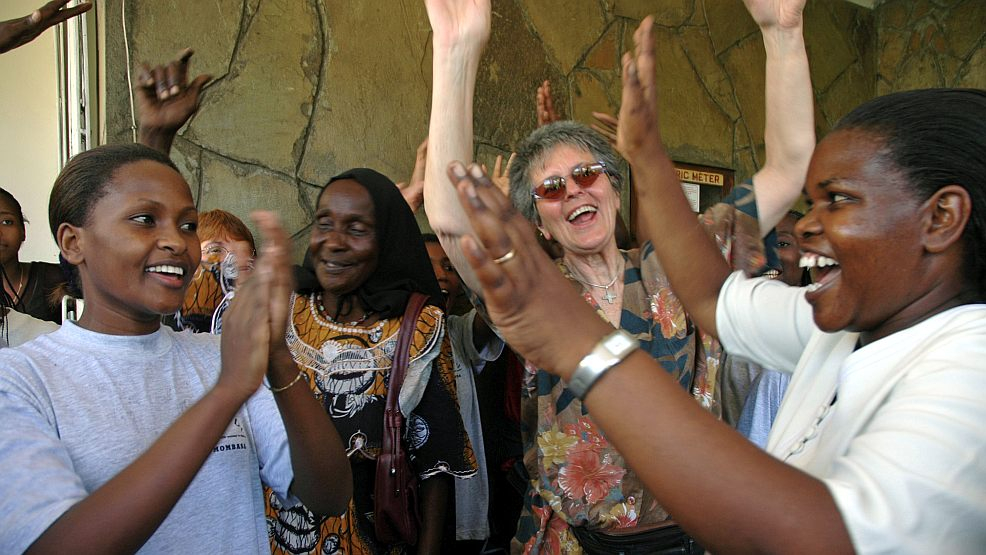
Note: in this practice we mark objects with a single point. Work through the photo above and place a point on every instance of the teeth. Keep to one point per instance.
(579, 211)
(813, 287)
(165, 269)
(816, 261)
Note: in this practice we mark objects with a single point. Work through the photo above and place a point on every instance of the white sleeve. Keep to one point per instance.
(764, 321)
(40, 482)
(460, 329)
(271, 440)
(914, 479)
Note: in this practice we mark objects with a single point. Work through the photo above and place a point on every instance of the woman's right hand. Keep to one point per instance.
(459, 23)
(525, 294)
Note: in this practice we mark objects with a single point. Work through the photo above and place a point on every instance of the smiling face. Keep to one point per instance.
(584, 221)
(344, 241)
(137, 250)
(11, 231)
(863, 239)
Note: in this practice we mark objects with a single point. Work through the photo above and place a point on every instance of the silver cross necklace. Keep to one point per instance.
(610, 296)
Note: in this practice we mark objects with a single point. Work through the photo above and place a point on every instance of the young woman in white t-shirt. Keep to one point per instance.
(120, 434)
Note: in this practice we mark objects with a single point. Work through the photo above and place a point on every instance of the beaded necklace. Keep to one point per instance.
(322, 318)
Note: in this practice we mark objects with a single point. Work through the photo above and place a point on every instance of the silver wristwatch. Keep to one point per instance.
(606, 354)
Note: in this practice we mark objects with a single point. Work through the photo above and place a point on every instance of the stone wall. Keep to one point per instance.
(930, 43)
(304, 89)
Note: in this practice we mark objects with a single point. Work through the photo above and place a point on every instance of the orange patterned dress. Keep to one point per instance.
(347, 368)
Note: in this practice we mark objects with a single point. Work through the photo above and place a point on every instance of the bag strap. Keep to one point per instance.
(393, 419)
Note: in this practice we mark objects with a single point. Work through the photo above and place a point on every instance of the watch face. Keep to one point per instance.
(619, 342)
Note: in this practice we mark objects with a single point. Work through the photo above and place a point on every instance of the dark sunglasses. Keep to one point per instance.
(553, 188)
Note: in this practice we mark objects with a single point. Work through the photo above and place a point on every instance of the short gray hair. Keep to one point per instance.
(536, 147)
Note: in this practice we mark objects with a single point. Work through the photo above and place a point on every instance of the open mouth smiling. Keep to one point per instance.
(824, 270)
(574, 215)
(170, 273)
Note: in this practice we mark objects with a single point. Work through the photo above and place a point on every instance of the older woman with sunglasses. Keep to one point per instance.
(582, 496)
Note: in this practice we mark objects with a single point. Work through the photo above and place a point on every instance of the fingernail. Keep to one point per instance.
(175, 89)
(476, 171)
(458, 170)
(472, 195)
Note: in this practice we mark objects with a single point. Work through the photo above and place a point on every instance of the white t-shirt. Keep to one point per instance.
(22, 328)
(902, 449)
(77, 407)
(472, 494)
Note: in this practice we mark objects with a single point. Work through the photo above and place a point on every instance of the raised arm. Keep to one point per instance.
(460, 29)
(20, 31)
(707, 485)
(693, 263)
(166, 100)
(789, 132)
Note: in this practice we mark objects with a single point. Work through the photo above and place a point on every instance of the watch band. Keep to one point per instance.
(609, 352)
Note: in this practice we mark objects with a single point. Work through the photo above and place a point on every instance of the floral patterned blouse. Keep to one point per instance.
(576, 477)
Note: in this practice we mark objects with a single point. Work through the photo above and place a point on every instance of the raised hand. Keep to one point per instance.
(521, 287)
(459, 22)
(545, 105)
(637, 131)
(246, 334)
(781, 13)
(18, 32)
(275, 257)
(413, 191)
(501, 173)
(166, 100)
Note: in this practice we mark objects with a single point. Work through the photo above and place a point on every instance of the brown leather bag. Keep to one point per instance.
(395, 493)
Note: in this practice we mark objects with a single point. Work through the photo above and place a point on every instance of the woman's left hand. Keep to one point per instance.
(637, 134)
(537, 311)
(275, 260)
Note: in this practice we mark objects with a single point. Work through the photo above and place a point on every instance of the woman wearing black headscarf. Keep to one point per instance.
(365, 259)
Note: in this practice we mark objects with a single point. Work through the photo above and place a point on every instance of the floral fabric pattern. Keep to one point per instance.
(576, 477)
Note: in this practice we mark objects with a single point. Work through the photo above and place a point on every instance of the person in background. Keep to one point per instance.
(769, 386)
(473, 346)
(32, 287)
(228, 251)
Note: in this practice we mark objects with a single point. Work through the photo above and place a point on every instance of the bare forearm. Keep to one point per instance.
(158, 139)
(789, 133)
(122, 514)
(450, 137)
(322, 476)
(731, 496)
(692, 261)
(434, 503)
